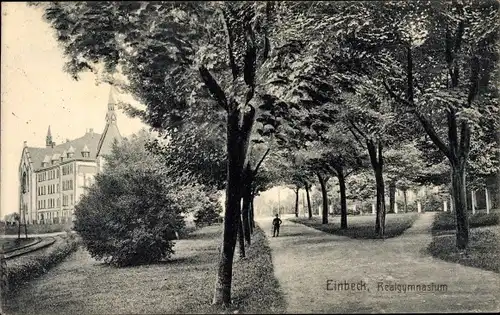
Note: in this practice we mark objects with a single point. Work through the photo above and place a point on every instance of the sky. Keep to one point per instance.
(36, 93)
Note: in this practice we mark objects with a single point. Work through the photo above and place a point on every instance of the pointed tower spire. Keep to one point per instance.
(111, 115)
(48, 139)
(111, 131)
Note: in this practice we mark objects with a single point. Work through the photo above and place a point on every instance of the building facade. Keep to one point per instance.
(54, 178)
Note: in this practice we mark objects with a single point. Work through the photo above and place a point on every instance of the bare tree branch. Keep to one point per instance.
(428, 127)
(214, 88)
(260, 162)
(230, 43)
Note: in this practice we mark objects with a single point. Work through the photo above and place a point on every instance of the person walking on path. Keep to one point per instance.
(276, 226)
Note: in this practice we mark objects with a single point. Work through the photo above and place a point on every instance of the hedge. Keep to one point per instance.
(32, 266)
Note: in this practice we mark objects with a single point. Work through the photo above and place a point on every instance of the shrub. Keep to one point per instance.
(208, 215)
(432, 202)
(129, 219)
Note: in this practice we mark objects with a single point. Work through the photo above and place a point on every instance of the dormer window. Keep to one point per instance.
(55, 159)
(85, 151)
(46, 161)
(70, 152)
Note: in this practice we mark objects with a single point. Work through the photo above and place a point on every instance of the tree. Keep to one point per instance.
(163, 50)
(447, 95)
(131, 213)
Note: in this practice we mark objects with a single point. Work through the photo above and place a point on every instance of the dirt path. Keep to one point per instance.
(305, 259)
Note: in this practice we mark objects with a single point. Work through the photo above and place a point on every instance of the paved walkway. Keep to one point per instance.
(305, 259)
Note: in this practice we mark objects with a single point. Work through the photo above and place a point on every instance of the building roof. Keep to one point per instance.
(90, 139)
(93, 143)
(109, 135)
(111, 131)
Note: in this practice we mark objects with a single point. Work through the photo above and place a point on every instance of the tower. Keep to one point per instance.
(111, 131)
(111, 114)
(48, 139)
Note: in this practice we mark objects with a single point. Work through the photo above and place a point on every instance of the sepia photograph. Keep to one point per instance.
(250, 157)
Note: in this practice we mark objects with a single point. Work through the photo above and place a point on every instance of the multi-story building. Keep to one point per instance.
(53, 178)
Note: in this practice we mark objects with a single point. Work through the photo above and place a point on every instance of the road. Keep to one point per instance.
(308, 262)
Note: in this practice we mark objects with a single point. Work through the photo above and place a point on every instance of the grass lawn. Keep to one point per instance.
(183, 285)
(445, 221)
(362, 227)
(7, 244)
(484, 250)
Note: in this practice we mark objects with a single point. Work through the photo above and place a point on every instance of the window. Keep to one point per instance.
(57, 187)
(71, 199)
(65, 200)
(58, 202)
(25, 183)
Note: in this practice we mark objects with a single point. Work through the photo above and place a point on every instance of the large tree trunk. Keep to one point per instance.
(237, 146)
(241, 238)
(343, 199)
(247, 195)
(309, 202)
(325, 199)
(460, 203)
(297, 202)
(376, 160)
(252, 213)
(392, 196)
(405, 200)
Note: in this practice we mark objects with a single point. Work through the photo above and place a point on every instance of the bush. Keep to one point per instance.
(208, 215)
(35, 265)
(129, 219)
(432, 202)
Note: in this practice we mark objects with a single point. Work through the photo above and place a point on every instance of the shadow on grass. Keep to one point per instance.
(445, 222)
(483, 252)
(362, 227)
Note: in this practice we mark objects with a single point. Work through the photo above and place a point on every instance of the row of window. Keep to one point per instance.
(52, 174)
(67, 184)
(55, 203)
(49, 189)
(67, 169)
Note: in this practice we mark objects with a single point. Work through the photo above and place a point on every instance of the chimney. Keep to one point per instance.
(91, 130)
(53, 144)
